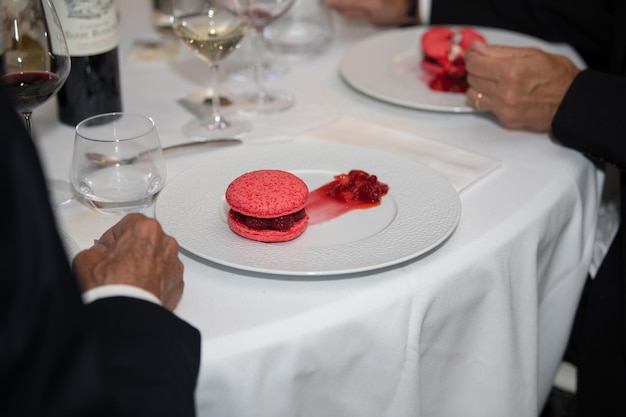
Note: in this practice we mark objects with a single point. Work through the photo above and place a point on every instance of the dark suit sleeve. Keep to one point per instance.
(150, 355)
(595, 29)
(470, 12)
(546, 17)
(591, 116)
(59, 357)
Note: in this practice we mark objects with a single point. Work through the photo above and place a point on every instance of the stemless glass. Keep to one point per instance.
(261, 13)
(118, 165)
(212, 29)
(34, 63)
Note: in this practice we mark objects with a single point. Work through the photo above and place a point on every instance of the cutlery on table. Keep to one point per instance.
(106, 160)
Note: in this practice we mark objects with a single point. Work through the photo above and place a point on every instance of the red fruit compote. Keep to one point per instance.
(354, 190)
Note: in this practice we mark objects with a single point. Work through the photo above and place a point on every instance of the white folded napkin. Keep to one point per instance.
(459, 166)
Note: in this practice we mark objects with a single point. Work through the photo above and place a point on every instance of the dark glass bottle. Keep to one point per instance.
(93, 86)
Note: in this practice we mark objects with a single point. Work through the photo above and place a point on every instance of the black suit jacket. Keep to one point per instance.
(58, 357)
(595, 28)
(591, 120)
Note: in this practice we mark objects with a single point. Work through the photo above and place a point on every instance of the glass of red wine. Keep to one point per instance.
(34, 61)
(261, 13)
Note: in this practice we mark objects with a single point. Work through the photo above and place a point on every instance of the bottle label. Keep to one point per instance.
(90, 26)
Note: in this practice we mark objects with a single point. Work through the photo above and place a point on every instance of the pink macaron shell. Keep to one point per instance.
(468, 36)
(268, 235)
(267, 194)
(436, 42)
(437, 45)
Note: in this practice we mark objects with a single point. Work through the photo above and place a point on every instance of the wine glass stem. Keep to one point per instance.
(216, 118)
(26, 115)
(258, 65)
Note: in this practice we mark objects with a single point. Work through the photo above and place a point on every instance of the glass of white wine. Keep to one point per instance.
(212, 29)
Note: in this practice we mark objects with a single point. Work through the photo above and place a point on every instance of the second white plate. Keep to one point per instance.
(386, 67)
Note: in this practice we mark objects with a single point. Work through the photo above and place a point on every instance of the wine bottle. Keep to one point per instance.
(93, 86)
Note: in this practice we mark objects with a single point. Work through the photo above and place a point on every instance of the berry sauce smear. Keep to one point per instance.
(354, 190)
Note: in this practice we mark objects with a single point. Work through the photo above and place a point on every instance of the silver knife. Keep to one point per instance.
(106, 160)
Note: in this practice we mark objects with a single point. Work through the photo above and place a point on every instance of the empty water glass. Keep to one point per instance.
(118, 165)
(304, 31)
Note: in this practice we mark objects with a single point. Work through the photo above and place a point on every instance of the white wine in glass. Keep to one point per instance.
(212, 29)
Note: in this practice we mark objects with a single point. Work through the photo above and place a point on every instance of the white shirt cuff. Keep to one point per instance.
(424, 8)
(117, 290)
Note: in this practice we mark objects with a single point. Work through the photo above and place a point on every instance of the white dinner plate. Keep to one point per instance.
(387, 67)
(418, 214)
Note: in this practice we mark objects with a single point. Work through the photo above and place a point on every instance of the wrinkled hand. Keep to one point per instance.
(378, 12)
(135, 251)
(523, 87)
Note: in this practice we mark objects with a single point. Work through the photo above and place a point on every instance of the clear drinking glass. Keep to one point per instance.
(260, 14)
(304, 31)
(212, 29)
(118, 165)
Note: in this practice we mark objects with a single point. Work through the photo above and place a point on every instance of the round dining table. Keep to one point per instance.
(473, 325)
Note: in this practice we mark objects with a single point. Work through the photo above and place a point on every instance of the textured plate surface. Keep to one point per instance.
(386, 67)
(419, 213)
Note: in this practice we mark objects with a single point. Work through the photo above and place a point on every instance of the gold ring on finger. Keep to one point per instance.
(479, 97)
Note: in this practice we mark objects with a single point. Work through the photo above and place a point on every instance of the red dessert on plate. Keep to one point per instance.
(357, 185)
(346, 192)
(267, 205)
(444, 56)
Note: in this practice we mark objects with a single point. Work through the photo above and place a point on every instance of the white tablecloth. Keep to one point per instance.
(476, 328)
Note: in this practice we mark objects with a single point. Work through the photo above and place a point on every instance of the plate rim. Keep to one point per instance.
(393, 37)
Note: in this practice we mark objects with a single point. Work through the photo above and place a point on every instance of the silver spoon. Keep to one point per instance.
(106, 160)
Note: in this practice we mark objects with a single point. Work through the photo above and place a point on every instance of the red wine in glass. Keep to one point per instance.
(259, 18)
(29, 89)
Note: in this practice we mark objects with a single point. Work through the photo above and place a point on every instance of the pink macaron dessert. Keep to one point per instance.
(268, 205)
(444, 56)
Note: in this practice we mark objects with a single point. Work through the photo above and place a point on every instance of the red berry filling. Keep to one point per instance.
(445, 82)
(276, 223)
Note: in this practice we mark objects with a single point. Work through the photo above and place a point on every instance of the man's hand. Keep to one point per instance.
(378, 12)
(523, 87)
(135, 251)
